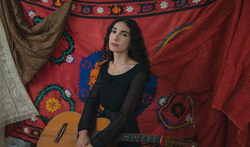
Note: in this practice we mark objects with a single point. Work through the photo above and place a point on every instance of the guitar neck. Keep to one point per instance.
(155, 139)
(134, 137)
(102, 123)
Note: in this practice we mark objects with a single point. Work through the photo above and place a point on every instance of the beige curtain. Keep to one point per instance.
(15, 104)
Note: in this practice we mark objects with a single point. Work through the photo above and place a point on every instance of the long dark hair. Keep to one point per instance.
(138, 50)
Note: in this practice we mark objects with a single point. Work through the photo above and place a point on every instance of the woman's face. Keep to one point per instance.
(119, 38)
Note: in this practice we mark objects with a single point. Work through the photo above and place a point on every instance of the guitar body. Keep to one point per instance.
(50, 132)
(69, 137)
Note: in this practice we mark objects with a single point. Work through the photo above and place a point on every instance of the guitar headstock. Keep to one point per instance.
(177, 142)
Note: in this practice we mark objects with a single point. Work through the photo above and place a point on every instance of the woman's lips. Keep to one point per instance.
(113, 44)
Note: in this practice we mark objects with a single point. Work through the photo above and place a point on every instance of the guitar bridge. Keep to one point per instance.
(60, 133)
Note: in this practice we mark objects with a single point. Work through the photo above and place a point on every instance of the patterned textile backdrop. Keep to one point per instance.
(64, 83)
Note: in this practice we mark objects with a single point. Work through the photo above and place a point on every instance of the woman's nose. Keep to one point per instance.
(115, 37)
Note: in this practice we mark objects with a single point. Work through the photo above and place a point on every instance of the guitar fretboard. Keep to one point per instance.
(133, 137)
(139, 138)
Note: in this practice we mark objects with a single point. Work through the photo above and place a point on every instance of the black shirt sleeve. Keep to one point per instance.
(129, 107)
(88, 118)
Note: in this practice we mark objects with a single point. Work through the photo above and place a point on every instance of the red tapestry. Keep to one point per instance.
(214, 67)
(64, 83)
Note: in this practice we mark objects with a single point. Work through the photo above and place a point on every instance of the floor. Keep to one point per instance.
(3, 142)
(13, 142)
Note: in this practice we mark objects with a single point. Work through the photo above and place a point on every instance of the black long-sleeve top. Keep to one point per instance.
(117, 93)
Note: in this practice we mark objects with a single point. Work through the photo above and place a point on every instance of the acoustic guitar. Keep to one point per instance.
(61, 131)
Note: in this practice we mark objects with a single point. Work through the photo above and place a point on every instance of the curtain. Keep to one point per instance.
(15, 102)
(211, 63)
(31, 47)
(23, 51)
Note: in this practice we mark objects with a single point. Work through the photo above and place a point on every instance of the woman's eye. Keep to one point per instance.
(124, 35)
(113, 31)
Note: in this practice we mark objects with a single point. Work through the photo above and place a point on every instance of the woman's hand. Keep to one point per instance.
(83, 139)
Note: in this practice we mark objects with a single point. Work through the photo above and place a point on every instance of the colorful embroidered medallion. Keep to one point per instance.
(176, 111)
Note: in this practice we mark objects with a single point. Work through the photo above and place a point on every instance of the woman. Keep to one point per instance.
(119, 86)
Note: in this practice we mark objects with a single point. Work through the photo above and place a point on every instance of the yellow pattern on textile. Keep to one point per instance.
(52, 105)
(172, 36)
